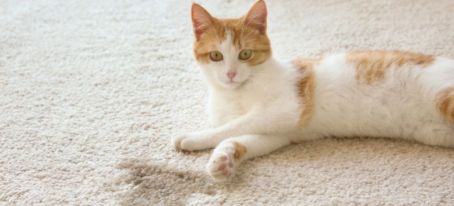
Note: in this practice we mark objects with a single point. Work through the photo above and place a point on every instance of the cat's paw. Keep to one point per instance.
(177, 143)
(221, 166)
(224, 160)
(190, 142)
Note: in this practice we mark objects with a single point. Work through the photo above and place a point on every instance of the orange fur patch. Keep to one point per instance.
(372, 65)
(306, 87)
(445, 103)
(243, 37)
(240, 150)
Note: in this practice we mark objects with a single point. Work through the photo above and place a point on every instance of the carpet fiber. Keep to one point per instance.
(92, 91)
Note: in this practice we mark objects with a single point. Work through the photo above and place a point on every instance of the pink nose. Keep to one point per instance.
(231, 74)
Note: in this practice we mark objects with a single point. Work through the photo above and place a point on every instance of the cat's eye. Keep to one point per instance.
(216, 56)
(245, 54)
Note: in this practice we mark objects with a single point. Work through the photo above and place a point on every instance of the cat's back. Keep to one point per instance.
(385, 72)
(377, 67)
(381, 73)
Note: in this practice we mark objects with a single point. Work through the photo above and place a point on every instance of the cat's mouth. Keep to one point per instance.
(232, 84)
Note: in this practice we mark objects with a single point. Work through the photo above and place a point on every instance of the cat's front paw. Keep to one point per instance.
(221, 166)
(190, 142)
(224, 160)
(177, 143)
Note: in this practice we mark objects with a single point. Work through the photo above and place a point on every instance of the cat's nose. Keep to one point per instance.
(231, 74)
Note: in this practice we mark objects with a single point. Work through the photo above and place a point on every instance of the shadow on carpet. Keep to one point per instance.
(158, 184)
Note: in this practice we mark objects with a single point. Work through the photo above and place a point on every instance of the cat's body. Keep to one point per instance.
(401, 105)
(258, 104)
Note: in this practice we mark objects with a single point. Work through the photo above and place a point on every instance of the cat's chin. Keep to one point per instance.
(231, 85)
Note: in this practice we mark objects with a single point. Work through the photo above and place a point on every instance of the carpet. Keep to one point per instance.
(92, 91)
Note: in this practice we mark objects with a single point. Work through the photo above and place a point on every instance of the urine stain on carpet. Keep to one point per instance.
(159, 184)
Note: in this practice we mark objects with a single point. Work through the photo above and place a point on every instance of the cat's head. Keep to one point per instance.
(231, 50)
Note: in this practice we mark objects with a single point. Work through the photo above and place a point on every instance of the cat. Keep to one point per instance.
(258, 104)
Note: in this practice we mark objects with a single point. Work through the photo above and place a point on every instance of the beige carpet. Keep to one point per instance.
(92, 91)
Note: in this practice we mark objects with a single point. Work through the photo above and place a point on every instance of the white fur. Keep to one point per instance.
(261, 109)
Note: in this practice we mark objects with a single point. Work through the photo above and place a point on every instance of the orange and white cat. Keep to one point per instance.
(259, 104)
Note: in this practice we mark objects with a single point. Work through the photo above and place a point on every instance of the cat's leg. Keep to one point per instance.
(256, 121)
(439, 132)
(207, 138)
(196, 141)
(231, 152)
(436, 135)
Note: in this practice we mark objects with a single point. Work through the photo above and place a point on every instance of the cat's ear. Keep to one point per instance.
(201, 20)
(256, 17)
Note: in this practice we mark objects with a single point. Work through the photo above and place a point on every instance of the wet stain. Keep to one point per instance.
(159, 184)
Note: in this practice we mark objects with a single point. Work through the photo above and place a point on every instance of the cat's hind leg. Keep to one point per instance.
(436, 134)
(231, 152)
(440, 133)
(444, 102)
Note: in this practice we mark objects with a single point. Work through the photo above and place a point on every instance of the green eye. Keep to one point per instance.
(216, 56)
(245, 54)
